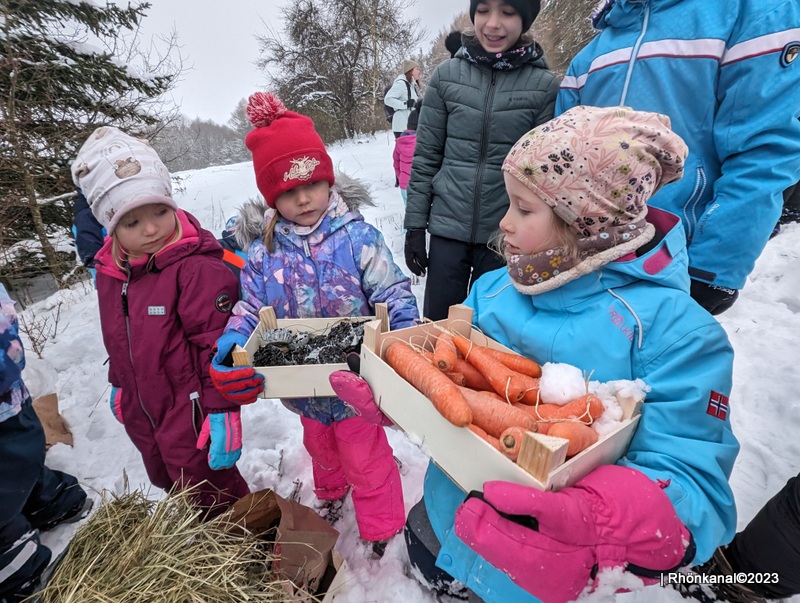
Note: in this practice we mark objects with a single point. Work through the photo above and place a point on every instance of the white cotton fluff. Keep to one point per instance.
(560, 383)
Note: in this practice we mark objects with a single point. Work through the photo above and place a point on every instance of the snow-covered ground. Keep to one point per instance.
(763, 327)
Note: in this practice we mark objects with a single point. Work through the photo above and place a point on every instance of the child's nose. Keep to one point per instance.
(149, 227)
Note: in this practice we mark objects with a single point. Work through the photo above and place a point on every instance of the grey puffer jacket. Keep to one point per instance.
(471, 117)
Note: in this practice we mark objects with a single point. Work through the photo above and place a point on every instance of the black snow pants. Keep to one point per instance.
(771, 543)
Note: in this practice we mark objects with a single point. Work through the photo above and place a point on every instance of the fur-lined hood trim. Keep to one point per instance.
(251, 221)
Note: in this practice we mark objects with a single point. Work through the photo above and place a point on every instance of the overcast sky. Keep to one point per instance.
(218, 42)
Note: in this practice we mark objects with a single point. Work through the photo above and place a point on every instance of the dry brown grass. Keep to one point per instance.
(136, 550)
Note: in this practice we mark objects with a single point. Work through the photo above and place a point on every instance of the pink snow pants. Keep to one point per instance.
(355, 454)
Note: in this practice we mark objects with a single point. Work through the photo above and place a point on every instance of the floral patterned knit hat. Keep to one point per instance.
(597, 168)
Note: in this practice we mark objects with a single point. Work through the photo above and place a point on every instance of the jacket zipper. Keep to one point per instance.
(635, 54)
(130, 347)
(690, 207)
(482, 159)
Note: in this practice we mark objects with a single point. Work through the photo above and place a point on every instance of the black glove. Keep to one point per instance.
(714, 299)
(410, 103)
(416, 253)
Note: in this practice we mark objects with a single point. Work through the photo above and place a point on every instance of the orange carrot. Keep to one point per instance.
(483, 435)
(531, 395)
(516, 362)
(495, 416)
(502, 379)
(444, 352)
(433, 384)
(473, 376)
(457, 378)
(580, 435)
(586, 408)
(511, 441)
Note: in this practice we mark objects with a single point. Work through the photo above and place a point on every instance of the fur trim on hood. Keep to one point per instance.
(251, 223)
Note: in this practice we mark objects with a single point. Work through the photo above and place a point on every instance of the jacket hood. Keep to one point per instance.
(195, 239)
(252, 215)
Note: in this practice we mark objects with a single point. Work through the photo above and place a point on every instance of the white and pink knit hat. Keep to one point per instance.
(118, 173)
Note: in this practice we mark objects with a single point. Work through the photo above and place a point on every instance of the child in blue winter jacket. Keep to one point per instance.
(311, 254)
(596, 279)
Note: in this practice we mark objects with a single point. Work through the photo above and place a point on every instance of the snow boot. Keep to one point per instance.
(732, 592)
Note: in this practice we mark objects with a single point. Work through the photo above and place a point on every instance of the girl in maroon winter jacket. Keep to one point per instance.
(165, 295)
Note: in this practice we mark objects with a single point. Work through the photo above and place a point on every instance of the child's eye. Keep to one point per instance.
(162, 211)
(131, 224)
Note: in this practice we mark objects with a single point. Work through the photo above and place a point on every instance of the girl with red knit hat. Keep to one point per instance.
(311, 254)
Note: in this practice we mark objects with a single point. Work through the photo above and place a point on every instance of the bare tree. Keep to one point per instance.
(65, 68)
(335, 58)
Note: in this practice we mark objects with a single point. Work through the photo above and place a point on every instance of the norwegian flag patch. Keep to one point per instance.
(718, 406)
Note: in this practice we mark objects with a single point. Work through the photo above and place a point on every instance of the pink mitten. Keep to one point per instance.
(355, 391)
(614, 517)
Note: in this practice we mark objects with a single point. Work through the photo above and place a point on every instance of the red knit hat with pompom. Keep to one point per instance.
(287, 151)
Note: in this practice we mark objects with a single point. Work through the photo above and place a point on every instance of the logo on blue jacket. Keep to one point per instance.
(790, 53)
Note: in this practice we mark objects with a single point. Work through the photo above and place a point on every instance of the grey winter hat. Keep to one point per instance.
(409, 64)
(527, 9)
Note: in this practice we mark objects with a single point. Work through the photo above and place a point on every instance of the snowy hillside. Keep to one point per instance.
(763, 328)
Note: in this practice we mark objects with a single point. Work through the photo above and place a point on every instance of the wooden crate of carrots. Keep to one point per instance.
(484, 426)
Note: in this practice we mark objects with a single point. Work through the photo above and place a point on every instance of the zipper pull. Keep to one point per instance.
(306, 247)
(125, 298)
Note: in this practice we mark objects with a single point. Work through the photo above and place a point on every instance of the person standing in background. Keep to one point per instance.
(727, 74)
(476, 106)
(402, 96)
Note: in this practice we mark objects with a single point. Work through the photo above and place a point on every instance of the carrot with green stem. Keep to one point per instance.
(494, 415)
(444, 352)
(430, 381)
(503, 380)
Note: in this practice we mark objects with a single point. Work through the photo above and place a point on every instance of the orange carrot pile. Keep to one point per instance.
(503, 380)
(429, 380)
(494, 393)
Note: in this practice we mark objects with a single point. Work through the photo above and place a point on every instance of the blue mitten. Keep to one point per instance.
(224, 429)
(238, 384)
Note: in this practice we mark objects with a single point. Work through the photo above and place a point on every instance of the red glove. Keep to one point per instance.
(238, 384)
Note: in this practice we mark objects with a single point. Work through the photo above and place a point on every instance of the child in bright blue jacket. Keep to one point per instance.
(596, 279)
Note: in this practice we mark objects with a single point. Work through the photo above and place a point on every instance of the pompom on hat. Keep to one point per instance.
(596, 168)
(527, 9)
(117, 173)
(287, 151)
